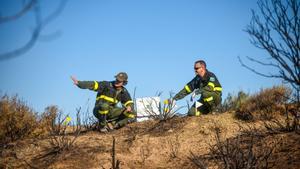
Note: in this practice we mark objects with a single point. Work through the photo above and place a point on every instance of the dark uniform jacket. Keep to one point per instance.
(209, 83)
(107, 92)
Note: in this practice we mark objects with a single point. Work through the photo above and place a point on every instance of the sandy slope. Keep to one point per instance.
(147, 144)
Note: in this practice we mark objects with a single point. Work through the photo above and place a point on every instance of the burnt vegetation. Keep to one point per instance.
(248, 150)
(251, 148)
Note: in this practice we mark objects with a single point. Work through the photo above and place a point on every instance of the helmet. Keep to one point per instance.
(122, 76)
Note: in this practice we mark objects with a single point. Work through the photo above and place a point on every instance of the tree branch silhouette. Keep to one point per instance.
(19, 14)
(40, 24)
(277, 30)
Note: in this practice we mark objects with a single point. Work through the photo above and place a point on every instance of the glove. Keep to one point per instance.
(194, 94)
(198, 91)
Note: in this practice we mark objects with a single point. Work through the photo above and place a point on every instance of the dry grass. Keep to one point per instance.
(159, 144)
(248, 150)
(265, 105)
(62, 135)
(169, 149)
(17, 120)
(19, 124)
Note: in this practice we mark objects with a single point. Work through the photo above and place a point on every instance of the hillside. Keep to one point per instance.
(153, 144)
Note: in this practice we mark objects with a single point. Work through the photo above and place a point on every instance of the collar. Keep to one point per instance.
(113, 85)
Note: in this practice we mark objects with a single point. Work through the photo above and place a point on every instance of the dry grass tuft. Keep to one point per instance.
(265, 105)
(17, 120)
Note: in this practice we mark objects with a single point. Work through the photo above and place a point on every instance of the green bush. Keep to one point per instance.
(234, 102)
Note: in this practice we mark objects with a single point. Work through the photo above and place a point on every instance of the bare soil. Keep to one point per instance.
(148, 144)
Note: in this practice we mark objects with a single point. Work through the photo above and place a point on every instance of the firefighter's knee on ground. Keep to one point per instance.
(192, 112)
(203, 109)
(124, 119)
(120, 124)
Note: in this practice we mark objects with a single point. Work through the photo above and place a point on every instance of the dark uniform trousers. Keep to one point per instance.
(208, 102)
(104, 112)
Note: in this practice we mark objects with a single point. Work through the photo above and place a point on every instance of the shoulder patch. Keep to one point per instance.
(212, 79)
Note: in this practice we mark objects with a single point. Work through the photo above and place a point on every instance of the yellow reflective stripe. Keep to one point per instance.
(96, 85)
(110, 99)
(103, 112)
(128, 102)
(166, 109)
(197, 113)
(211, 84)
(129, 115)
(187, 88)
(218, 89)
(208, 99)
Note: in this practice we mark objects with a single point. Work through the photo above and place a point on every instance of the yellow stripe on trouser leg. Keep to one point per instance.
(129, 115)
(103, 112)
(219, 89)
(208, 99)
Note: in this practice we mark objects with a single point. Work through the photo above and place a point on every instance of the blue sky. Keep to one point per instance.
(155, 41)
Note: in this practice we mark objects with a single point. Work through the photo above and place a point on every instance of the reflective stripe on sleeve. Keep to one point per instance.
(129, 114)
(96, 85)
(219, 89)
(187, 88)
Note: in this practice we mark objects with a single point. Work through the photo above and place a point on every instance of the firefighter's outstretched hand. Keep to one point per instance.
(75, 81)
(128, 109)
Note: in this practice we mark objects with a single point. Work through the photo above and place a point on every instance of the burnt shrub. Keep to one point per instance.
(251, 149)
(45, 121)
(264, 105)
(17, 120)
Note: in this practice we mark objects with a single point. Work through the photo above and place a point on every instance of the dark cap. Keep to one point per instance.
(122, 76)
